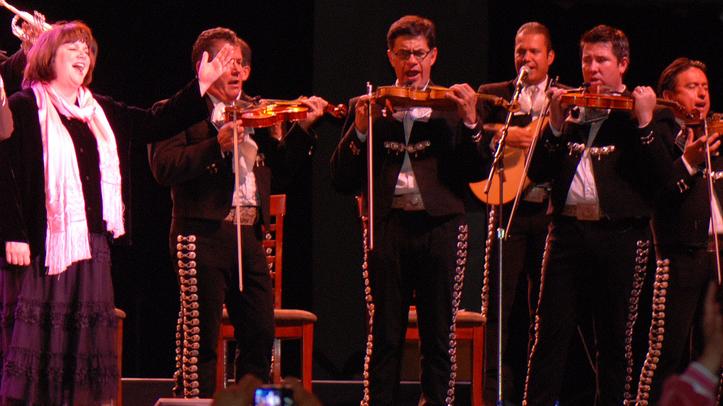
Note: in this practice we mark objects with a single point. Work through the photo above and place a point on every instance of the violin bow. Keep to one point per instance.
(370, 164)
(712, 202)
(538, 129)
(237, 209)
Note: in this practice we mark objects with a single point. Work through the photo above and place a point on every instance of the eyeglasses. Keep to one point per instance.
(405, 54)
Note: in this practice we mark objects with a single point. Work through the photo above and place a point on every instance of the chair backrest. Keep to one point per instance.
(273, 244)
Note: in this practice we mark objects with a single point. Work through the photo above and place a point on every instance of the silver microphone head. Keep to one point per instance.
(522, 74)
(524, 71)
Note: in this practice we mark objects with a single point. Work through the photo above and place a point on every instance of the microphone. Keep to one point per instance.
(521, 76)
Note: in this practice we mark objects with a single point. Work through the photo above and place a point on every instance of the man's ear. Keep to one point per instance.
(245, 72)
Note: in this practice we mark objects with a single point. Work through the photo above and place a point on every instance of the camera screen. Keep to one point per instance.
(268, 396)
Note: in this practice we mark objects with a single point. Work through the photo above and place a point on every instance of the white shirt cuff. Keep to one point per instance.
(361, 136)
(691, 170)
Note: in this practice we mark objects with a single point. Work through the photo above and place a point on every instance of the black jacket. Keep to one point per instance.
(202, 179)
(682, 212)
(628, 174)
(23, 216)
(449, 159)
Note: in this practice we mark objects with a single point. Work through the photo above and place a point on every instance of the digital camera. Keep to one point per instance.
(273, 395)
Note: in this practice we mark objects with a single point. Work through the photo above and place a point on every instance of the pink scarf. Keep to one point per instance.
(66, 239)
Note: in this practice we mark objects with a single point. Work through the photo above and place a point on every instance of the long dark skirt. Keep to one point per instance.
(57, 333)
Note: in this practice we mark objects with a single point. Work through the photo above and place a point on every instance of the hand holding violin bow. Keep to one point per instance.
(361, 116)
(694, 152)
(225, 135)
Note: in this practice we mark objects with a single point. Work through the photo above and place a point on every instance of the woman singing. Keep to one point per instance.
(60, 204)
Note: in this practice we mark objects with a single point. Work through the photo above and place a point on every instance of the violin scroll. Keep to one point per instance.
(338, 111)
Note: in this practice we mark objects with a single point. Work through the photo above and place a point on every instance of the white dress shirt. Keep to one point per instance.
(583, 189)
(246, 195)
(532, 99)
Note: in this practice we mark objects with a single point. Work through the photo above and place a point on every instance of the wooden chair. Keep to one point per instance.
(121, 315)
(470, 327)
(290, 324)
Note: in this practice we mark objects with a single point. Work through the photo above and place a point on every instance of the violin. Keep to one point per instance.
(713, 123)
(617, 102)
(598, 101)
(253, 117)
(433, 96)
(295, 110)
(268, 112)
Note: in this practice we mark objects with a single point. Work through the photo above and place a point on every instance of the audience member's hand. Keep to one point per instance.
(712, 332)
(302, 397)
(240, 394)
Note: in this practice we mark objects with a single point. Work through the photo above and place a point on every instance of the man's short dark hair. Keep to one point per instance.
(413, 26)
(209, 41)
(533, 27)
(605, 33)
(669, 77)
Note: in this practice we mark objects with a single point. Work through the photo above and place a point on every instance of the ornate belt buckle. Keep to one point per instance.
(536, 194)
(587, 212)
(247, 216)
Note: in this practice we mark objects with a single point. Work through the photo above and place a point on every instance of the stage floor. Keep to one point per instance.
(146, 391)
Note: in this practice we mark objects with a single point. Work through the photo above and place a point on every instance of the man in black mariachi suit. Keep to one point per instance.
(198, 166)
(423, 161)
(526, 240)
(606, 168)
(682, 220)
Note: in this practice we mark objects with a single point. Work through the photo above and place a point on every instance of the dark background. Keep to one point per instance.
(331, 48)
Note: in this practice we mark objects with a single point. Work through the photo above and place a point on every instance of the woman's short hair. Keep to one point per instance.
(41, 57)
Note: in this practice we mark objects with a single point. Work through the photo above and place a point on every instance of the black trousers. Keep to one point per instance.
(422, 259)
(589, 265)
(216, 280)
(522, 261)
(691, 268)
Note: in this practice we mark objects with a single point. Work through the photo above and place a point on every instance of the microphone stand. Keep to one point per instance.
(498, 169)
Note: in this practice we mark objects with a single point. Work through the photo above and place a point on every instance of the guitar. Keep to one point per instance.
(514, 160)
